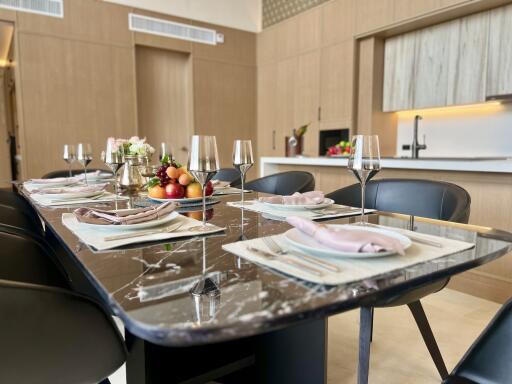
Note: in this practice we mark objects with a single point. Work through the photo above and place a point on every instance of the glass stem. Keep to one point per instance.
(70, 173)
(204, 205)
(85, 175)
(363, 217)
(243, 181)
(115, 189)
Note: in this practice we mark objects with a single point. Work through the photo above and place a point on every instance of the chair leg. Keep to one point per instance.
(371, 330)
(365, 330)
(428, 337)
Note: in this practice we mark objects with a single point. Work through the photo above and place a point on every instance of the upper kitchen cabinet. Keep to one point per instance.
(406, 9)
(338, 21)
(309, 29)
(499, 68)
(399, 72)
(468, 60)
(437, 66)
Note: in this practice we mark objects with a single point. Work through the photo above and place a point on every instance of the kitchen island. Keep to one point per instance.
(488, 180)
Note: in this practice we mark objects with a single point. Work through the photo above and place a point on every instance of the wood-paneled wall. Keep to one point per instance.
(76, 80)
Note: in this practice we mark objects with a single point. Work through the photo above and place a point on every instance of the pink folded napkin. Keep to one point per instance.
(71, 189)
(313, 197)
(55, 180)
(347, 240)
(128, 216)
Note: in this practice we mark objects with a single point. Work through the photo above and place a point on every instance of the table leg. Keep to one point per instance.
(294, 355)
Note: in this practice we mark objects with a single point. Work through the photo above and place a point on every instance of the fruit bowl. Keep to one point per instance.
(173, 182)
(342, 149)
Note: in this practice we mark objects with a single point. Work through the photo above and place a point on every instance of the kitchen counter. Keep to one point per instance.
(470, 164)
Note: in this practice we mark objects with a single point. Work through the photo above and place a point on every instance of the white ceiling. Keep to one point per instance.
(239, 14)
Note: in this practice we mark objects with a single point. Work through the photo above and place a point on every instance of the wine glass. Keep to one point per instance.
(165, 149)
(69, 156)
(84, 157)
(114, 159)
(242, 159)
(364, 162)
(203, 164)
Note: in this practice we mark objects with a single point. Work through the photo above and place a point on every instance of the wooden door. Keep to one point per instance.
(499, 69)
(267, 108)
(286, 93)
(164, 98)
(336, 85)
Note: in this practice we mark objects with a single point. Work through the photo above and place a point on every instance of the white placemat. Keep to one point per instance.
(96, 237)
(351, 269)
(49, 201)
(276, 213)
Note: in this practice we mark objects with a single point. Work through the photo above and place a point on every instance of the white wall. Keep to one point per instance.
(481, 131)
(239, 14)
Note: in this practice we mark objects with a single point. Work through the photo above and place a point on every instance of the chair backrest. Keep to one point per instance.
(230, 175)
(433, 199)
(65, 173)
(29, 259)
(284, 183)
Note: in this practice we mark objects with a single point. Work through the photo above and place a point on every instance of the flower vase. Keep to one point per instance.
(131, 179)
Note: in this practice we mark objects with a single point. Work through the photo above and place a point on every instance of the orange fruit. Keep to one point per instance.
(184, 179)
(173, 173)
(194, 190)
(157, 192)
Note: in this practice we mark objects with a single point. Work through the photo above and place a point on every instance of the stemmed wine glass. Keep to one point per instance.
(114, 159)
(242, 159)
(84, 157)
(364, 162)
(69, 156)
(203, 164)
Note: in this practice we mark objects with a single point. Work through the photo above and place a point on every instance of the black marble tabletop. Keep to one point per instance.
(148, 285)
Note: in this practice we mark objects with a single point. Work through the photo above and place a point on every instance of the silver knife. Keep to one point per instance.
(287, 260)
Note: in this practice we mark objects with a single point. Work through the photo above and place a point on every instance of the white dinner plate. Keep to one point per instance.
(71, 195)
(307, 244)
(95, 176)
(56, 184)
(185, 200)
(326, 203)
(148, 224)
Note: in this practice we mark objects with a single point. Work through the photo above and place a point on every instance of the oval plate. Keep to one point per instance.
(326, 203)
(310, 246)
(186, 200)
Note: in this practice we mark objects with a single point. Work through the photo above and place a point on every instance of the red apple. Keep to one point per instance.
(209, 189)
(174, 191)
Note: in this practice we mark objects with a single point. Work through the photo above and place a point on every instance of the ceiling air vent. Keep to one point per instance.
(172, 29)
(53, 8)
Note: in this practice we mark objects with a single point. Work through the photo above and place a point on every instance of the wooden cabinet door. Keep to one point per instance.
(499, 68)
(431, 65)
(399, 72)
(336, 85)
(267, 109)
(468, 60)
(307, 99)
(285, 110)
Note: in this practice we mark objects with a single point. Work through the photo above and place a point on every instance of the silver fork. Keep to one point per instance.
(276, 248)
(170, 228)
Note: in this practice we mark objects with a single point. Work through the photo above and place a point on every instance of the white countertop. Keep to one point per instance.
(459, 165)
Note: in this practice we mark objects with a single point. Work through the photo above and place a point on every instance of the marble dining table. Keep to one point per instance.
(261, 325)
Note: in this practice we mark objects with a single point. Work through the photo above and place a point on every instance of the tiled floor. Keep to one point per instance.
(398, 353)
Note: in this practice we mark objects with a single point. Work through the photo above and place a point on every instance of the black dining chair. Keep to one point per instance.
(231, 175)
(65, 172)
(49, 333)
(432, 199)
(489, 359)
(17, 212)
(284, 183)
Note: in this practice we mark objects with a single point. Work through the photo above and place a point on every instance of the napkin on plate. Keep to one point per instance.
(71, 189)
(98, 174)
(350, 240)
(124, 217)
(313, 197)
